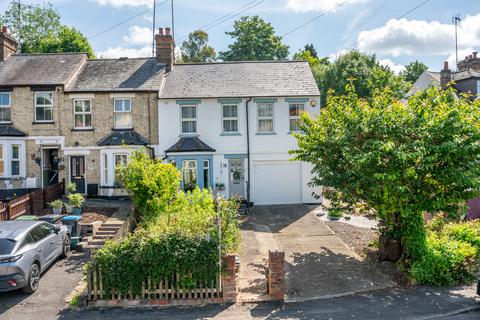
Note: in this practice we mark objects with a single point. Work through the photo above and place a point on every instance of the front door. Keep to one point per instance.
(50, 166)
(236, 178)
(77, 172)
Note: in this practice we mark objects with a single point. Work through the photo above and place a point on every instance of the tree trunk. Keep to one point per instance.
(389, 249)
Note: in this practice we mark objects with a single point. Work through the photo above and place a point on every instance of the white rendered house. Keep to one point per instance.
(203, 128)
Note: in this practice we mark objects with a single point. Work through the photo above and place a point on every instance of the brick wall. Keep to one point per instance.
(229, 279)
(276, 275)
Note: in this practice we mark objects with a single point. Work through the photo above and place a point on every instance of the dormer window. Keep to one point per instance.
(43, 106)
(5, 107)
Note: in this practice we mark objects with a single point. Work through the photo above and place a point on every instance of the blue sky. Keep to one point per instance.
(371, 25)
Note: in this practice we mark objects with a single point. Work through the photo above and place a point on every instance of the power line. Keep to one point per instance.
(125, 21)
(418, 6)
(314, 18)
(228, 16)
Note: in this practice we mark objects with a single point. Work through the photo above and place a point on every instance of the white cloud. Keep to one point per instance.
(317, 5)
(124, 3)
(138, 35)
(396, 68)
(420, 37)
(120, 51)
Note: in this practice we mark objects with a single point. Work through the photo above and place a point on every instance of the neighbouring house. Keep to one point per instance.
(63, 116)
(228, 126)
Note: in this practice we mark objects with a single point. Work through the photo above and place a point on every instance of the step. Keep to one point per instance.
(112, 224)
(99, 237)
(106, 233)
(102, 228)
(96, 242)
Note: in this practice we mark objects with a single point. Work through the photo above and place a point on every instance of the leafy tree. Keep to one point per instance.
(255, 39)
(196, 49)
(369, 76)
(67, 40)
(413, 71)
(40, 30)
(310, 48)
(394, 159)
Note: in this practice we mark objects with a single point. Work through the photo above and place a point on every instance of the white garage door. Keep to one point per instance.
(276, 182)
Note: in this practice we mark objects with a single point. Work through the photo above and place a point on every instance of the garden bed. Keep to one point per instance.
(91, 214)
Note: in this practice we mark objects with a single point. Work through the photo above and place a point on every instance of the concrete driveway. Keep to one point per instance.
(48, 301)
(318, 263)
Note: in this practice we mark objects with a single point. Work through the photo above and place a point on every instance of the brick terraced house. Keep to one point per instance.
(63, 116)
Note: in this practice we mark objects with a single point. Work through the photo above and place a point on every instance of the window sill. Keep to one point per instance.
(82, 129)
(12, 178)
(265, 134)
(190, 135)
(292, 132)
(122, 129)
(231, 134)
(43, 122)
(6, 122)
(111, 187)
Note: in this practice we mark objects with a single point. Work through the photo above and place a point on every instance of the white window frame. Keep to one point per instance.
(297, 117)
(272, 117)
(7, 107)
(237, 119)
(115, 165)
(122, 112)
(43, 106)
(195, 169)
(12, 159)
(82, 113)
(207, 168)
(182, 119)
(105, 169)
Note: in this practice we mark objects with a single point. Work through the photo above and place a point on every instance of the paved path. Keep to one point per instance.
(49, 300)
(394, 304)
(318, 263)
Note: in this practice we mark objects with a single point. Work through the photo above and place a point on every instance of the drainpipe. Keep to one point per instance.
(248, 152)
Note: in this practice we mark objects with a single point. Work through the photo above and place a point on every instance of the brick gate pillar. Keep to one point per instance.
(229, 279)
(276, 275)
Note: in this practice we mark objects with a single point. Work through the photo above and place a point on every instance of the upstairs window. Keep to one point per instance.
(123, 113)
(294, 112)
(82, 114)
(5, 107)
(230, 118)
(189, 119)
(43, 106)
(265, 117)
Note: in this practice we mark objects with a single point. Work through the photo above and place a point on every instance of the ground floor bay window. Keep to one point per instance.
(195, 171)
(111, 160)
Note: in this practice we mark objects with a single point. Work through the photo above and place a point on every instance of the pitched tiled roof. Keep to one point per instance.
(123, 137)
(10, 131)
(190, 144)
(40, 69)
(427, 79)
(141, 74)
(240, 79)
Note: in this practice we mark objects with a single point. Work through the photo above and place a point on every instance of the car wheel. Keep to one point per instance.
(33, 279)
(66, 247)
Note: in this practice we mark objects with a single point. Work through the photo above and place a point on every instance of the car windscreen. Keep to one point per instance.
(6, 246)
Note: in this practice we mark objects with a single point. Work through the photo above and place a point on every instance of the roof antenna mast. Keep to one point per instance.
(456, 19)
(173, 20)
(153, 28)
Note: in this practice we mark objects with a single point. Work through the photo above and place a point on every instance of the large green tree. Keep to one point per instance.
(196, 48)
(398, 160)
(413, 71)
(369, 76)
(40, 31)
(254, 39)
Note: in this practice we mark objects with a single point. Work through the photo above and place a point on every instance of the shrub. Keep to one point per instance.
(71, 187)
(56, 204)
(467, 232)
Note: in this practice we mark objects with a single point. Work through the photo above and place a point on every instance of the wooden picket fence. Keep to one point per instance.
(15, 208)
(168, 289)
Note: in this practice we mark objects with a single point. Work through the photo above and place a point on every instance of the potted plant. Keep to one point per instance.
(220, 186)
(76, 200)
(57, 206)
(71, 187)
(334, 214)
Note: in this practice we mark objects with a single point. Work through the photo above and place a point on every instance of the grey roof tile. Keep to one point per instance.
(240, 79)
(140, 74)
(123, 137)
(190, 144)
(40, 69)
(10, 131)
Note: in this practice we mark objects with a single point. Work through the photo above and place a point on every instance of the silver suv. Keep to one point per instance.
(27, 248)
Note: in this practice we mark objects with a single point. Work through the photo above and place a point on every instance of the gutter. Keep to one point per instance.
(248, 151)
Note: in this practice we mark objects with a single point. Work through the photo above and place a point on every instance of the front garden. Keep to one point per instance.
(179, 236)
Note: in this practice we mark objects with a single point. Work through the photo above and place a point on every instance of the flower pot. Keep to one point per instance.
(69, 209)
(57, 210)
(334, 218)
(77, 211)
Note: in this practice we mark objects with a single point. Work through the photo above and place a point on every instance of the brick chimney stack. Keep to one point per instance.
(445, 75)
(471, 61)
(165, 48)
(8, 44)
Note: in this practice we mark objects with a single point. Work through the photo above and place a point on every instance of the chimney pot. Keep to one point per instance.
(4, 29)
(475, 54)
(165, 48)
(168, 31)
(160, 31)
(470, 57)
(445, 65)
